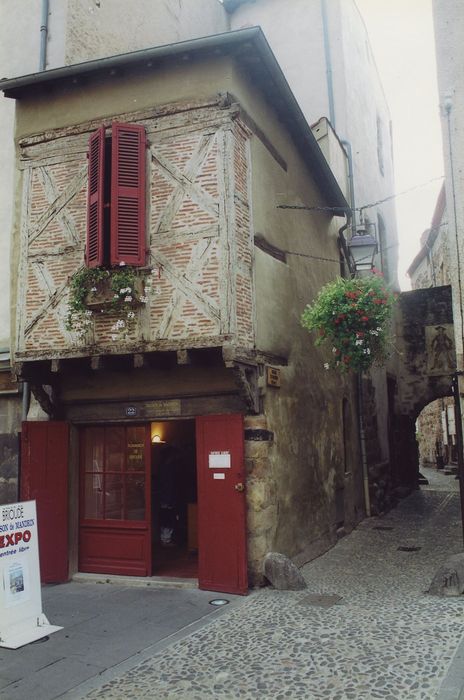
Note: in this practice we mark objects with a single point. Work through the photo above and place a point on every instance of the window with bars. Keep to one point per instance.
(116, 196)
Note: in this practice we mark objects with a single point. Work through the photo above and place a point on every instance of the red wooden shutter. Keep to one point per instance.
(128, 194)
(44, 477)
(95, 198)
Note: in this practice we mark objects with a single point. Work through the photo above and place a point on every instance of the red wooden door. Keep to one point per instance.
(222, 560)
(44, 477)
(115, 520)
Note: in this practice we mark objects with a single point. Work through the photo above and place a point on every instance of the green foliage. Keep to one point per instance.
(88, 283)
(352, 317)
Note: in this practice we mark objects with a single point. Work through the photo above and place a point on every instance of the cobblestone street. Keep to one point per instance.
(382, 638)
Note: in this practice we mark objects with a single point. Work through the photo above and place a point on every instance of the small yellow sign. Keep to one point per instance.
(273, 376)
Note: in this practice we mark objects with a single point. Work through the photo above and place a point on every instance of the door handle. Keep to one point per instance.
(239, 487)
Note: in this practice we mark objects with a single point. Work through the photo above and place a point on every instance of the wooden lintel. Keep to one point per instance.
(47, 400)
(56, 365)
(18, 369)
(183, 357)
(96, 362)
(140, 360)
(228, 355)
(246, 377)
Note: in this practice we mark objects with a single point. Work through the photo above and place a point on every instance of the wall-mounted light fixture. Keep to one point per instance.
(156, 440)
(363, 249)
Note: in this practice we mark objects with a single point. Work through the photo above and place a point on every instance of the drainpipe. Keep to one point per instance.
(43, 35)
(349, 152)
(328, 62)
(362, 442)
(342, 243)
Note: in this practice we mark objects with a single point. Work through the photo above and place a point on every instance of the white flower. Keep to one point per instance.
(88, 312)
(143, 299)
(373, 332)
(128, 298)
(93, 289)
(120, 323)
(358, 342)
(122, 263)
(115, 296)
(114, 337)
(326, 365)
(131, 314)
(334, 350)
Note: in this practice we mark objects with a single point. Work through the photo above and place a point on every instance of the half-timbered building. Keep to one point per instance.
(157, 288)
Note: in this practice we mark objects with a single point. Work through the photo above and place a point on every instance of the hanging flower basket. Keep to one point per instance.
(352, 318)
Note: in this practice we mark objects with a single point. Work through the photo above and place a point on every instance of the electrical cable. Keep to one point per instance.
(365, 206)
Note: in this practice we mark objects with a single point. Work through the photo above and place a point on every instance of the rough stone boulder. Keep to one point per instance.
(449, 579)
(282, 573)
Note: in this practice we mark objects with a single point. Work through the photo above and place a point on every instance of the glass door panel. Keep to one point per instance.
(115, 522)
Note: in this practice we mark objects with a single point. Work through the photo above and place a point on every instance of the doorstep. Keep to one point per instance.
(140, 581)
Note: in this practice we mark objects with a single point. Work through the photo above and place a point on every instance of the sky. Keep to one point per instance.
(402, 41)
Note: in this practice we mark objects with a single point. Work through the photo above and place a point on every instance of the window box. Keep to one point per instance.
(102, 296)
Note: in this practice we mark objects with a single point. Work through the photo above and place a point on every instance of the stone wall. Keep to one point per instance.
(426, 362)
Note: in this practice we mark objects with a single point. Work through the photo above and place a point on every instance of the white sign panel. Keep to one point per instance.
(219, 460)
(21, 618)
(218, 475)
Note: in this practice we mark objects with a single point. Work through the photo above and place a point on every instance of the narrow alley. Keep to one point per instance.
(363, 629)
(372, 633)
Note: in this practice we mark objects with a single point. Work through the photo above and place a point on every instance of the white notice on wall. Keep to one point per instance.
(219, 460)
(219, 475)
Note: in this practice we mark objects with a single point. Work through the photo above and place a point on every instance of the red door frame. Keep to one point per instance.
(121, 547)
(44, 478)
(222, 564)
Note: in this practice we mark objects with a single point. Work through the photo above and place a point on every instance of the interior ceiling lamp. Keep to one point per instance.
(156, 440)
(363, 248)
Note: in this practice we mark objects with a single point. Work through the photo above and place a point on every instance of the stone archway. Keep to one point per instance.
(426, 364)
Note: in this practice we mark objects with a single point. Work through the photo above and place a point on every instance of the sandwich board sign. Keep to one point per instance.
(21, 618)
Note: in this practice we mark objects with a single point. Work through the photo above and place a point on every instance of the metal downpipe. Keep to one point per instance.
(43, 35)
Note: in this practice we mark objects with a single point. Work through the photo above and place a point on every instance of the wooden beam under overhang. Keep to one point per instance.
(184, 357)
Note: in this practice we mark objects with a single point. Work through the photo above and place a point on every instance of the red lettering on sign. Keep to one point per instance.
(14, 538)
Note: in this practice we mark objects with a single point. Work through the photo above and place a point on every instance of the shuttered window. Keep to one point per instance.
(95, 202)
(116, 226)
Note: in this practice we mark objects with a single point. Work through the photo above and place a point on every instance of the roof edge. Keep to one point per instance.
(290, 112)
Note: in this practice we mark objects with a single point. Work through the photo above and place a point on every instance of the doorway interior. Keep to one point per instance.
(174, 499)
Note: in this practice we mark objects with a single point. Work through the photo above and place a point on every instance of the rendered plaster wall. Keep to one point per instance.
(449, 29)
(97, 28)
(361, 114)
(359, 101)
(305, 479)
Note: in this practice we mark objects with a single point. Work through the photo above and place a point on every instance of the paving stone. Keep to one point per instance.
(385, 639)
